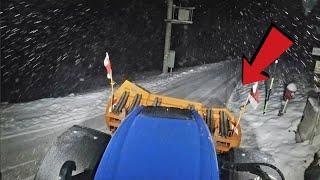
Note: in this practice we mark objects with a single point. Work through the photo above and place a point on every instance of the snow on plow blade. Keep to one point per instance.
(220, 121)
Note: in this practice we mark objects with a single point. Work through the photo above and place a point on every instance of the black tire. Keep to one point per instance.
(81, 145)
(225, 174)
(313, 171)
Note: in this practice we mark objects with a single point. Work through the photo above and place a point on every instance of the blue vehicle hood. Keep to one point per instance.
(153, 145)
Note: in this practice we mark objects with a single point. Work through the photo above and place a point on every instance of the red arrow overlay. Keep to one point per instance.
(273, 45)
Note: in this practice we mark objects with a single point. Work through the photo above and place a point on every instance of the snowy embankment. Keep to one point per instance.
(46, 114)
(275, 135)
(28, 129)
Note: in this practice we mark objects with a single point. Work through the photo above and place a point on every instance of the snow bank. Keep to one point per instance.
(45, 114)
(275, 135)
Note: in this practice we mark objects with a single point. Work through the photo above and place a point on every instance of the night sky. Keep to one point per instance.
(54, 48)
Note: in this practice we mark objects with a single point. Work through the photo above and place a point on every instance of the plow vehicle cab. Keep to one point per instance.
(160, 143)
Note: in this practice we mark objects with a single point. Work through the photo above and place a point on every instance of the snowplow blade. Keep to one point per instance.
(220, 121)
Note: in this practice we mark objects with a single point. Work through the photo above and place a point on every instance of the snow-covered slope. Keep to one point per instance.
(274, 135)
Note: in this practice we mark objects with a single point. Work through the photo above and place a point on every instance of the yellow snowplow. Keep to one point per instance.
(221, 122)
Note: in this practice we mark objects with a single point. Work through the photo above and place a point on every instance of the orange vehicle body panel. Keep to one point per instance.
(220, 121)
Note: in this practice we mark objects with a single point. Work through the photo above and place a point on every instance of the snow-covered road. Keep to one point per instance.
(212, 87)
(28, 129)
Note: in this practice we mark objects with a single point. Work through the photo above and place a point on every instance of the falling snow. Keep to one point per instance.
(49, 47)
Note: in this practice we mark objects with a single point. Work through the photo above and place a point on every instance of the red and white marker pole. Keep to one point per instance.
(107, 65)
